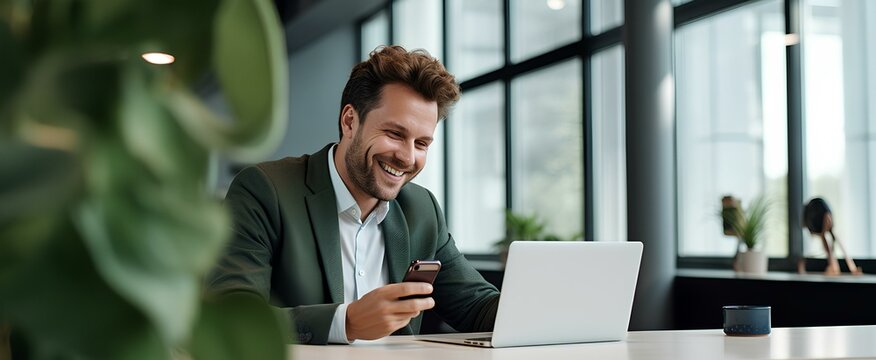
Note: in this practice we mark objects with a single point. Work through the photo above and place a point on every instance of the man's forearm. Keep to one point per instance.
(311, 323)
(486, 318)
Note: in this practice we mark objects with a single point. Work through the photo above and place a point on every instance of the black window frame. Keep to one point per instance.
(585, 48)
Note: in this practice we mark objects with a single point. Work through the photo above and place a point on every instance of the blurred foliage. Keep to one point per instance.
(106, 221)
(521, 227)
(528, 228)
(747, 225)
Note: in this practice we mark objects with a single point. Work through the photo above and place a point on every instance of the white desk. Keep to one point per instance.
(784, 343)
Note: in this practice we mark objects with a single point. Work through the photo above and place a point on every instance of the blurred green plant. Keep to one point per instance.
(746, 225)
(521, 227)
(524, 227)
(107, 224)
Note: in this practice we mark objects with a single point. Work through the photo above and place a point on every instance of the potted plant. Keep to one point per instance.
(107, 220)
(747, 225)
(522, 227)
(518, 227)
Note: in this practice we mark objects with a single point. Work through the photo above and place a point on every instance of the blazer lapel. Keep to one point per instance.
(397, 240)
(323, 211)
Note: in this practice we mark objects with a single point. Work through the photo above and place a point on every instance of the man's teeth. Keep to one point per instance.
(391, 170)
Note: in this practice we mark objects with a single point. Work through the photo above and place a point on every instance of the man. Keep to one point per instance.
(329, 236)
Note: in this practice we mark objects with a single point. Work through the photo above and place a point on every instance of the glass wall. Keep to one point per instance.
(839, 74)
(731, 124)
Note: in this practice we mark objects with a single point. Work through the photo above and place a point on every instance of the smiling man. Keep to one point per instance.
(327, 237)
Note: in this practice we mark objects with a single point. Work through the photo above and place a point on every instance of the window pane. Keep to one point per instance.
(476, 44)
(609, 146)
(432, 176)
(548, 147)
(375, 32)
(417, 25)
(541, 26)
(477, 162)
(605, 15)
(839, 73)
(679, 2)
(732, 125)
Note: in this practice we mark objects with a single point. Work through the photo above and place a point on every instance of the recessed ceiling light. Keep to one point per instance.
(556, 4)
(158, 58)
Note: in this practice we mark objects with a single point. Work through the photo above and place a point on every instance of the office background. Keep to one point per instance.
(764, 98)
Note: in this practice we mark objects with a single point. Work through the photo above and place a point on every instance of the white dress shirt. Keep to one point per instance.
(362, 251)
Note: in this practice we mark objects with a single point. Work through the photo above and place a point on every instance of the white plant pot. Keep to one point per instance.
(752, 262)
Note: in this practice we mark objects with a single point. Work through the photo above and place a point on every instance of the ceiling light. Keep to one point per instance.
(556, 4)
(158, 58)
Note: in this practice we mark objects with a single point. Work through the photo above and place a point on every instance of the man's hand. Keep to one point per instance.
(380, 312)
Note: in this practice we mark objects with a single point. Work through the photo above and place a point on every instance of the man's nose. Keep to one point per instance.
(406, 154)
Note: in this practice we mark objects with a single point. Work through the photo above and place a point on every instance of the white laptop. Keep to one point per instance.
(559, 293)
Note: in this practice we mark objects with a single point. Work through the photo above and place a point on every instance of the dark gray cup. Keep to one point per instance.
(746, 320)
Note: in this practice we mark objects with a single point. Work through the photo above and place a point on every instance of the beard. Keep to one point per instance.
(362, 174)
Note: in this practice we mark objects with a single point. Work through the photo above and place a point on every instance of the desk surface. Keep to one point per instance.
(841, 342)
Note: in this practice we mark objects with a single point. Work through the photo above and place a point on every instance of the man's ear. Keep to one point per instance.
(349, 120)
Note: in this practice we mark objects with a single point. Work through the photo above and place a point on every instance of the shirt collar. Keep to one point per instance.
(345, 201)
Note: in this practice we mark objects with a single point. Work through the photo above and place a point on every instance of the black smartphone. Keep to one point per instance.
(421, 271)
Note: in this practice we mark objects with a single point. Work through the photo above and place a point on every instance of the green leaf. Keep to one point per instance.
(65, 310)
(111, 242)
(239, 327)
(151, 238)
(748, 224)
(36, 184)
(152, 135)
(11, 69)
(250, 60)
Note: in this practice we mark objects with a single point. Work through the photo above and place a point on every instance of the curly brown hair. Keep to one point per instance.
(395, 65)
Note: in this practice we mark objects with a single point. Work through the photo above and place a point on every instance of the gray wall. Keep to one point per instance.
(318, 73)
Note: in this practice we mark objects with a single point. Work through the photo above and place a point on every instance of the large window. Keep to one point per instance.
(541, 126)
(375, 32)
(731, 124)
(839, 62)
(516, 140)
(605, 14)
(539, 26)
(475, 28)
(476, 140)
(609, 145)
(417, 25)
(548, 153)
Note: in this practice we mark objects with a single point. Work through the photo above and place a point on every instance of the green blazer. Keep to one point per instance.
(286, 248)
